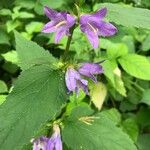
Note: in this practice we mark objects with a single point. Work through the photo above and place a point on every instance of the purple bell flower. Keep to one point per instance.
(74, 81)
(60, 23)
(55, 142)
(93, 26)
(40, 144)
(90, 69)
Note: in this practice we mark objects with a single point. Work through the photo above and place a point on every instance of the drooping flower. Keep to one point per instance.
(93, 26)
(55, 142)
(74, 81)
(40, 144)
(90, 69)
(60, 23)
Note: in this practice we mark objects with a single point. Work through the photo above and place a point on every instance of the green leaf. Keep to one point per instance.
(37, 97)
(143, 117)
(117, 50)
(127, 15)
(30, 53)
(143, 142)
(5, 12)
(3, 87)
(11, 25)
(4, 37)
(113, 73)
(146, 44)
(131, 128)
(114, 115)
(86, 132)
(52, 3)
(98, 92)
(2, 98)
(11, 56)
(34, 27)
(136, 65)
(146, 97)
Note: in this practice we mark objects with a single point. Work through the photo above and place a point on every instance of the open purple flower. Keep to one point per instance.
(60, 23)
(74, 82)
(90, 69)
(40, 144)
(93, 26)
(55, 142)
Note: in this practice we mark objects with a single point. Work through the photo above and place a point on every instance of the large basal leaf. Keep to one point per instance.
(136, 65)
(94, 133)
(127, 15)
(37, 96)
(30, 53)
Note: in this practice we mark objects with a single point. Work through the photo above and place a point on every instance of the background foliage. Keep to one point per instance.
(122, 124)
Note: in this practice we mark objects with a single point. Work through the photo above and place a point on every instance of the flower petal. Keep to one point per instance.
(70, 20)
(90, 69)
(93, 38)
(60, 33)
(58, 145)
(84, 86)
(107, 29)
(100, 13)
(70, 77)
(49, 27)
(50, 13)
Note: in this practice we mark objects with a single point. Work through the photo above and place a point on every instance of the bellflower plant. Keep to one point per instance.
(90, 69)
(94, 26)
(60, 23)
(74, 81)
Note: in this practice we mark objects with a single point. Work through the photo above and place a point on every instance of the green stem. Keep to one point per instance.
(68, 43)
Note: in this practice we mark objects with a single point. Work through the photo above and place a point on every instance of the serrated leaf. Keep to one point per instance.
(30, 53)
(94, 132)
(37, 97)
(127, 15)
(98, 92)
(136, 65)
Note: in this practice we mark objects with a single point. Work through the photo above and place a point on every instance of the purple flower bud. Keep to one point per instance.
(74, 82)
(40, 144)
(55, 142)
(60, 23)
(90, 69)
(93, 26)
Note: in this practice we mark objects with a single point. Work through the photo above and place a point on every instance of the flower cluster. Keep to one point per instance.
(92, 25)
(75, 82)
(53, 143)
